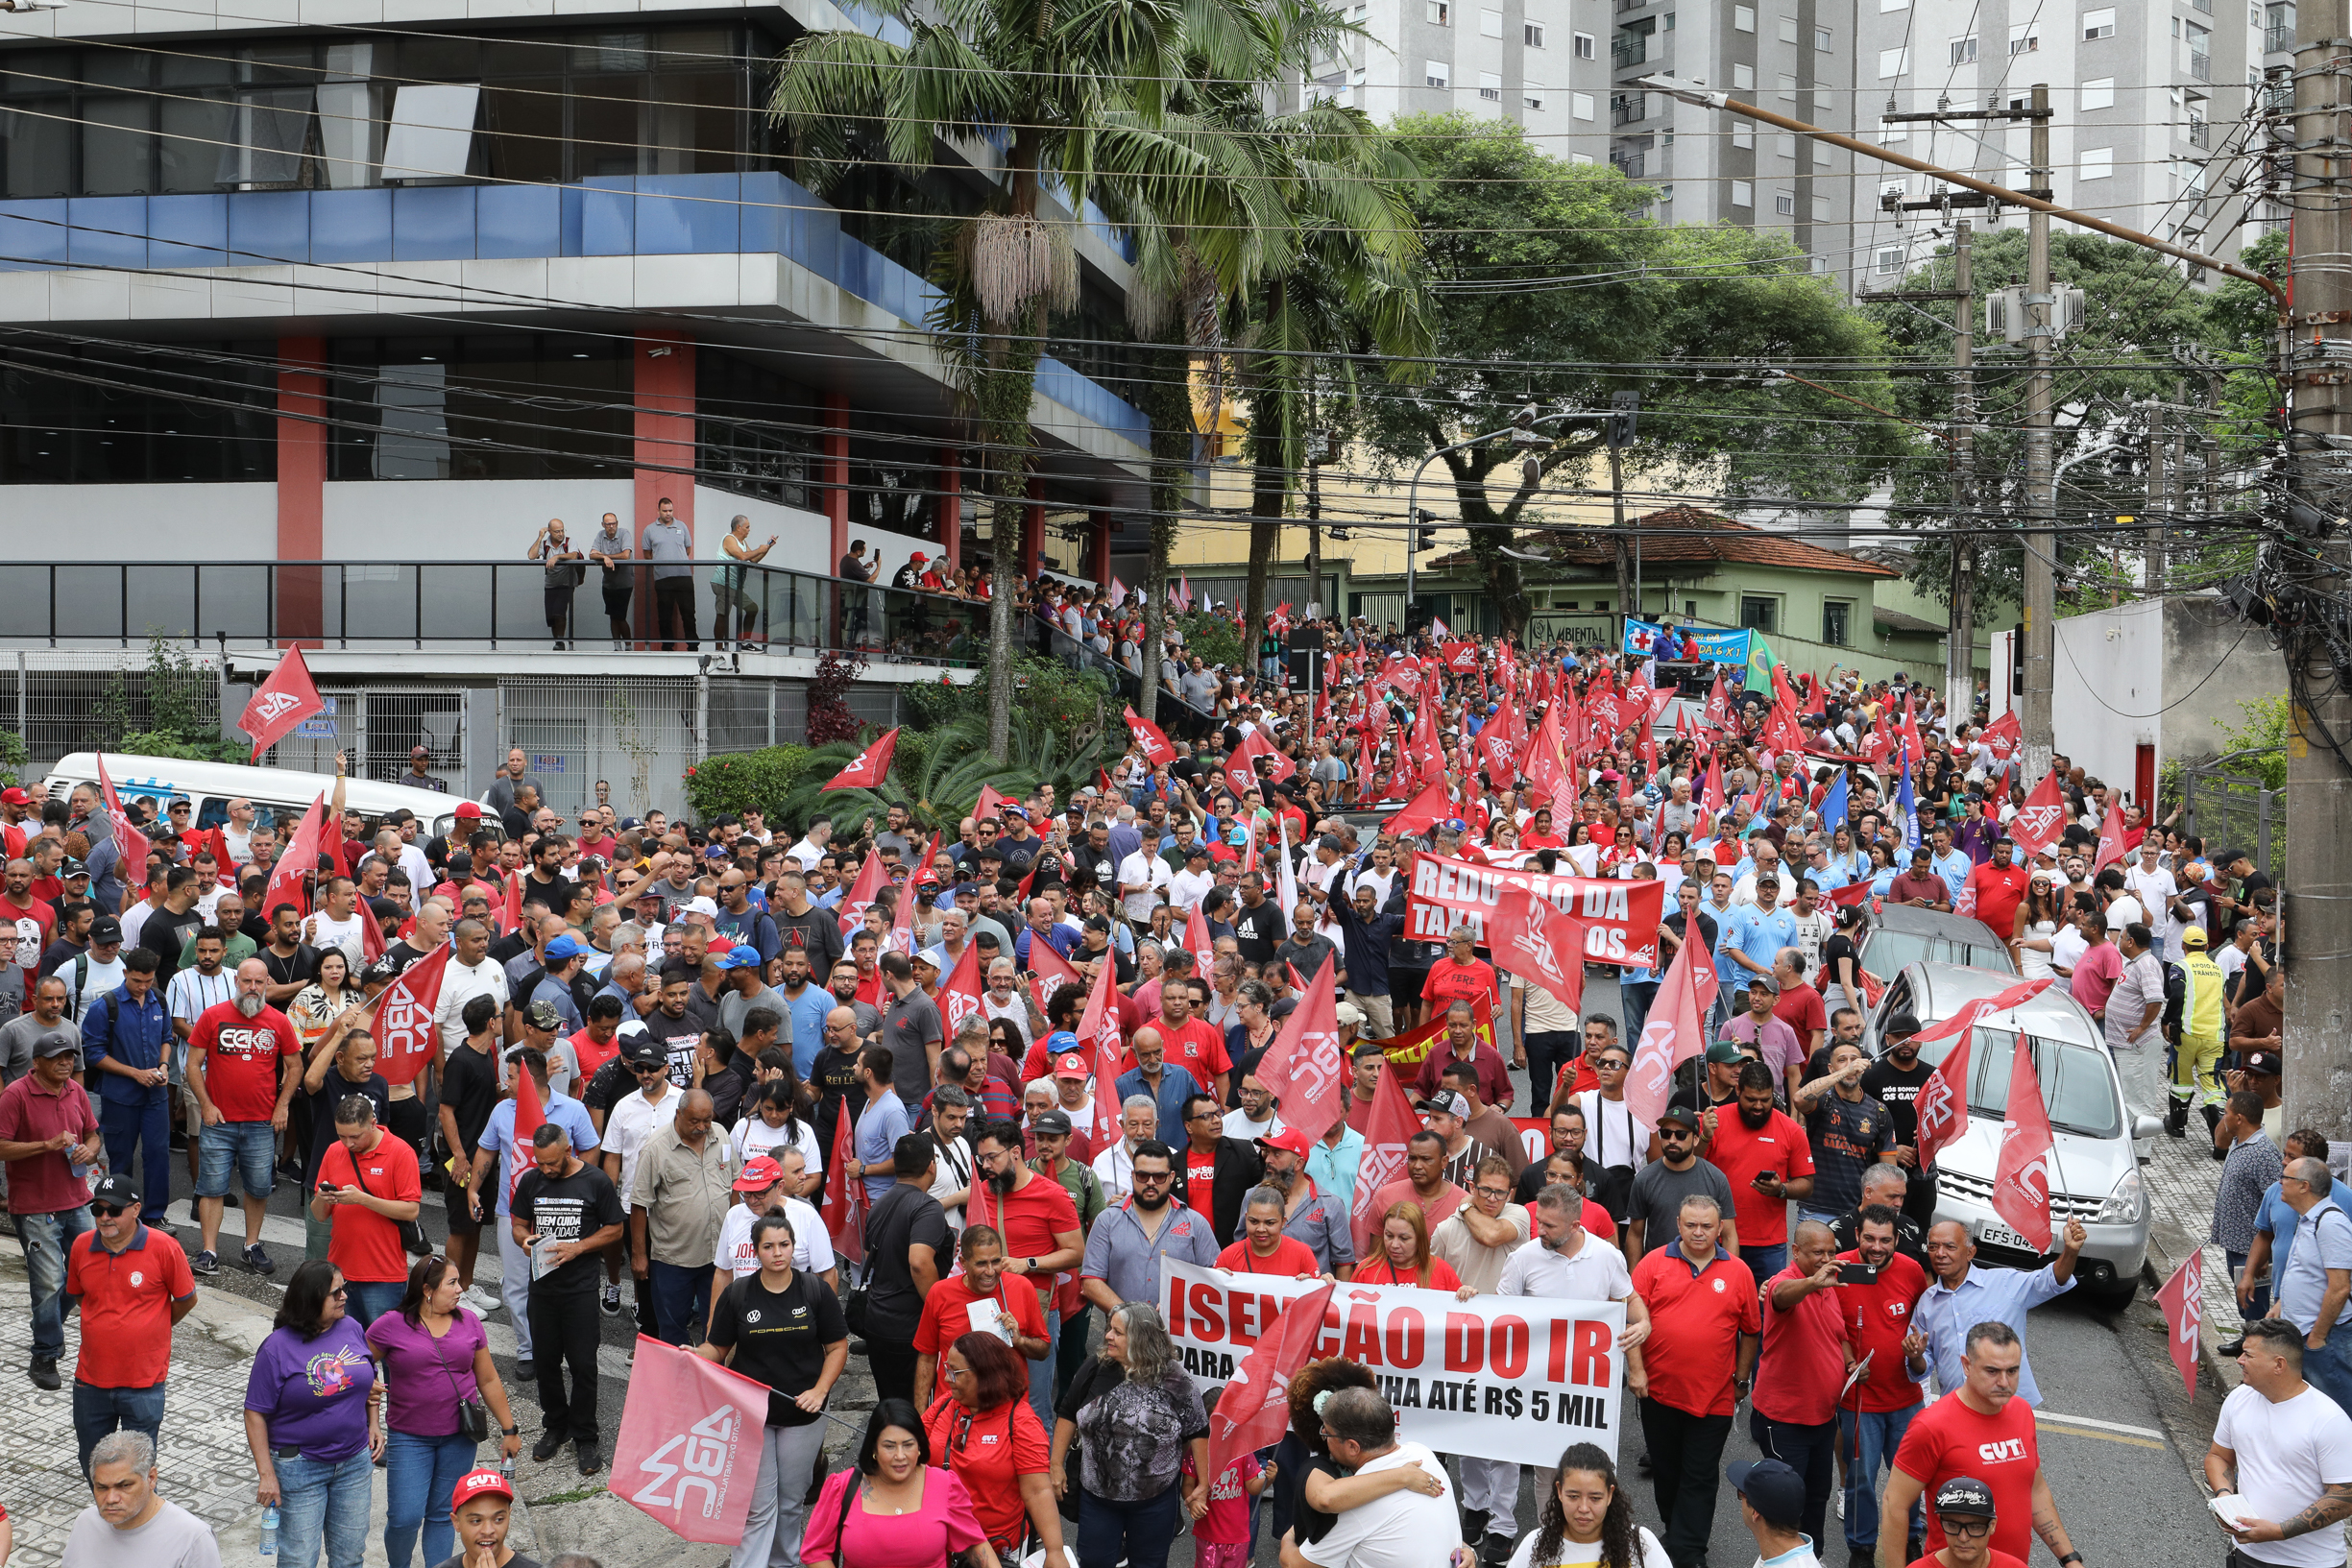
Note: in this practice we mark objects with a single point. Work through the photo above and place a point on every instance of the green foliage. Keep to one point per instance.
(1214, 637)
(938, 780)
(171, 708)
(734, 782)
(2256, 749)
(1047, 692)
(13, 757)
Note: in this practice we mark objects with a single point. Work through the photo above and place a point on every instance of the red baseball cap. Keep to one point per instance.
(760, 1173)
(1072, 1066)
(467, 811)
(1294, 1140)
(484, 1481)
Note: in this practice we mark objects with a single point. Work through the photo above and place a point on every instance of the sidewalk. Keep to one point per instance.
(2182, 1178)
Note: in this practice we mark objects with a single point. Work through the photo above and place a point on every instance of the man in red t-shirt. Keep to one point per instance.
(1764, 1153)
(28, 922)
(1461, 976)
(1980, 1429)
(1042, 1235)
(1019, 1318)
(131, 1283)
(1695, 1367)
(244, 1060)
(1999, 888)
(1803, 1365)
(1876, 1318)
(1189, 1039)
(368, 1186)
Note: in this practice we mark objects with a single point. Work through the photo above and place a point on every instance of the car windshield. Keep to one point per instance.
(2077, 1087)
(1887, 952)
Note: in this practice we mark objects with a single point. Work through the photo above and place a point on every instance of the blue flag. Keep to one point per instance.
(1836, 808)
(1908, 804)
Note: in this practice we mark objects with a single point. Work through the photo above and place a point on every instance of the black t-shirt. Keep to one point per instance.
(161, 937)
(678, 1038)
(1310, 1524)
(1019, 853)
(834, 1076)
(1839, 946)
(555, 895)
(297, 970)
(470, 1088)
(779, 1337)
(1896, 1088)
(607, 1087)
(565, 1210)
(322, 1102)
(510, 947)
(904, 1216)
(1258, 932)
(816, 933)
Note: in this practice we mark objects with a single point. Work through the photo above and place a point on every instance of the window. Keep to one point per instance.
(1785, 145)
(2097, 163)
(1759, 613)
(1894, 62)
(1666, 23)
(2025, 38)
(1788, 86)
(1820, 209)
(2099, 93)
(1585, 46)
(1581, 159)
(1821, 40)
(1963, 51)
(1744, 18)
(1889, 263)
(1437, 73)
(1743, 75)
(1534, 39)
(2098, 24)
(1441, 14)
(1784, 202)
(1580, 104)
(1489, 86)
(1788, 30)
(1489, 24)
(1531, 93)
(1837, 622)
(62, 429)
(1743, 134)
(1743, 194)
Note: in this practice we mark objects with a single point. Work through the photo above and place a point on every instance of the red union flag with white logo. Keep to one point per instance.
(285, 700)
(1255, 1407)
(1149, 738)
(1671, 1036)
(1942, 1105)
(130, 844)
(299, 861)
(2020, 1181)
(868, 768)
(1539, 945)
(405, 1042)
(689, 1453)
(960, 992)
(845, 1201)
(1098, 1030)
(1388, 1127)
(2183, 1300)
(2041, 819)
(1305, 1069)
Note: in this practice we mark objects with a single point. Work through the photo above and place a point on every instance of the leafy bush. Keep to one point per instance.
(13, 757)
(1214, 638)
(733, 780)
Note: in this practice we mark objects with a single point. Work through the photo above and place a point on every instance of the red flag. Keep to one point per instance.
(1150, 739)
(1305, 1067)
(130, 846)
(1423, 813)
(2110, 838)
(1711, 798)
(1671, 1036)
(869, 767)
(371, 932)
(1501, 740)
(2183, 1300)
(1099, 1028)
(860, 895)
(1718, 705)
(2038, 822)
(529, 1117)
(846, 1196)
(1255, 1407)
(513, 901)
(280, 703)
(2022, 1180)
(1048, 972)
(960, 992)
(989, 801)
(1545, 768)
(2005, 736)
(689, 1450)
(1850, 895)
(1387, 1124)
(1943, 1102)
(404, 1038)
(1908, 731)
(296, 862)
(1241, 768)
(1532, 939)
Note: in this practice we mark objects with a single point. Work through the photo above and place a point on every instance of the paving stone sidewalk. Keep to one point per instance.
(2182, 1179)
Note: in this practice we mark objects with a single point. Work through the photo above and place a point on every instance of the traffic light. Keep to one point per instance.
(1425, 536)
(1623, 408)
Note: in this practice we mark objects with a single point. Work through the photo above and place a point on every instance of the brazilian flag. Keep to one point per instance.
(1760, 660)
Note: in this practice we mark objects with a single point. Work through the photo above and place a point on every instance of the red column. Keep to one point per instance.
(1098, 548)
(950, 512)
(834, 474)
(302, 488)
(1032, 531)
(663, 443)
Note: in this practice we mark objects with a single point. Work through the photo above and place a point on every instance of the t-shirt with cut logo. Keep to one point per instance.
(27, 928)
(241, 1057)
(778, 1337)
(1948, 1440)
(565, 1209)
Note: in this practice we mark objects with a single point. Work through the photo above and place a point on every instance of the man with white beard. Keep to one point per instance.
(244, 1060)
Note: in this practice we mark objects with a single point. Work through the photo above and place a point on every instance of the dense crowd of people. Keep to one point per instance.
(772, 1128)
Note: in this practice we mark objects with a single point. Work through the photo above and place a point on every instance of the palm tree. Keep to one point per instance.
(1075, 92)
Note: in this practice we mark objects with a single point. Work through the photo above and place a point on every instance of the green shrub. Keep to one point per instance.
(733, 781)
(1215, 639)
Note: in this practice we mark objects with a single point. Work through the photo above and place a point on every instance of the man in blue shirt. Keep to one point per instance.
(2315, 1290)
(1949, 863)
(879, 1126)
(1964, 1295)
(1752, 934)
(2274, 1223)
(126, 1036)
(510, 1158)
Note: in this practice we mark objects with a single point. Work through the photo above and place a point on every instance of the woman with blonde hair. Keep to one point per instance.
(1402, 1257)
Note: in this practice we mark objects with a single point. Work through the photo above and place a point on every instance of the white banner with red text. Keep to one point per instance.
(1515, 1378)
(1620, 917)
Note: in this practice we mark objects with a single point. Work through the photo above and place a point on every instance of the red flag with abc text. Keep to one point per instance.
(1532, 939)
(2042, 818)
(1150, 738)
(406, 1041)
(869, 767)
(1305, 1067)
(2022, 1180)
(1671, 1036)
(960, 992)
(1255, 1407)
(1387, 1124)
(298, 860)
(689, 1452)
(2183, 1300)
(844, 1194)
(280, 703)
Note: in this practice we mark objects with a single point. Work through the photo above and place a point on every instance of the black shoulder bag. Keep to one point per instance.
(412, 1233)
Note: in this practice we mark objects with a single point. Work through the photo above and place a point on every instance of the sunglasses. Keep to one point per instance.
(109, 1209)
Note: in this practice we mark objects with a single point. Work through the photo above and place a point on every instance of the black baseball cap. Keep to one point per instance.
(117, 1190)
(641, 1052)
(1965, 1495)
(1772, 1489)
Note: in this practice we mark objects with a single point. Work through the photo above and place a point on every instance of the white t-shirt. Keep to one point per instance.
(460, 986)
(1187, 888)
(1573, 1555)
(952, 1172)
(1596, 1273)
(2156, 890)
(324, 931)
(2287, 1452)
(1239, 1126)
(1613, 1135)
(753, 1136)
(811, 1246)
(103, 979)
(1403, 1530)
(1148, 871)
(631, 1123)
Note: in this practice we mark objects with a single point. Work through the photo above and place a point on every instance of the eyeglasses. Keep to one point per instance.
(337, 1293)
(1142, 1176)
(1968, 1528)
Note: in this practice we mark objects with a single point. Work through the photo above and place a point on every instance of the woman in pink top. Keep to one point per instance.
(895, 1509)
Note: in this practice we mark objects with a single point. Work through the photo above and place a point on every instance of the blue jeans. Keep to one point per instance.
(1808, 1450)
(1041, 1371)
(98, 1412)
(1764, 1261)
(1141, 1533)
(420, 1473)
(681, 1301)
(1635, 999)
(2328, 1369)
(45, 1238)
(246, 1150)
(368, 1300)
(2258, 1299)
(129, 1126)
(1878, 1433)
(323, 1499)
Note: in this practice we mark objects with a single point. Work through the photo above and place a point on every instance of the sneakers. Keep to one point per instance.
(591, 1457)
(546, 1448)
(258, 1259)
(482, 1301)
(206, 1262)
(526, 1370)
(45, 1373)
(610, 1301)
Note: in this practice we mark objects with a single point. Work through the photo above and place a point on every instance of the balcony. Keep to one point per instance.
(2200, 67)
(1630, 164)
(2278, 39)
(1630, 110)
(2200, 134)
(1624, 6)
(1627, 52)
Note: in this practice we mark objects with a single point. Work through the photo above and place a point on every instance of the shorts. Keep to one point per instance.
(194, 1124)
(617, 590)
(461, 1217)
(249, 1147)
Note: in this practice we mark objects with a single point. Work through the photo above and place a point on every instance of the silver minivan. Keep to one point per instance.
(2096, 1169)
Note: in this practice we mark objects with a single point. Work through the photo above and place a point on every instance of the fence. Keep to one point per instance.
(2230, 810)
(69, 701)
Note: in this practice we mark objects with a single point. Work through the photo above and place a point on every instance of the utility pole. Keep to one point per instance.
(2159, 497)
(2039, 541)
(1960, 639)
(2315, 912)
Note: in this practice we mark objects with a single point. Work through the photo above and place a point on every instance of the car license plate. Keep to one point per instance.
(1993, 1234)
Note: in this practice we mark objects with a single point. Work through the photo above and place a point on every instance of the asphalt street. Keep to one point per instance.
(2120, 1440)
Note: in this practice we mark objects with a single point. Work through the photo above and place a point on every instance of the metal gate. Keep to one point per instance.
(2231, 810)
(376, 728)
(638, 735)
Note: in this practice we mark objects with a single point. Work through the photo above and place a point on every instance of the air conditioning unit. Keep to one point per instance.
(2004, 312)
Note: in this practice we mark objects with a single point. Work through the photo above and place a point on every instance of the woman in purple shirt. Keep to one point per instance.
(434, 1358)
(311, 1424)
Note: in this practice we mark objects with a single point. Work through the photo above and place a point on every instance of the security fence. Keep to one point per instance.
(2232, 810)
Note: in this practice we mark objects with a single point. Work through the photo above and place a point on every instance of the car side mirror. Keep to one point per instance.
(2146, 1127)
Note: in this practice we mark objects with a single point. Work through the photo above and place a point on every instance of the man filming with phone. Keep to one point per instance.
(1877, 1289)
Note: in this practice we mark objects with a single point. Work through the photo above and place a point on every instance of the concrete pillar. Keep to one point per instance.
(662, 447)
(949, 509)
(301, 488)
(1032, 530)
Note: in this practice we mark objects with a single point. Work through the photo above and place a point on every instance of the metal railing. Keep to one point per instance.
(2200, 134)
(1628, 164)
(453, 604)
(2277, 40)
(2200, 67)
(1630, 109)
(2236, 810)
(1626, 52)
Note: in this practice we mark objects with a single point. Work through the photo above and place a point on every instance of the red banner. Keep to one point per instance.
(2022, 1180)
(1620, 918)
(280, 703)
(869, 767)
(689, 1452)
(2183, 1300)
(405, 1042)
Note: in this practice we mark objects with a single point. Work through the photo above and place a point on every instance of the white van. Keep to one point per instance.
(279, 794)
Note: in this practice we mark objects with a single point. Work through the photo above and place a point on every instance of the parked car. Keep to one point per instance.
(1900, 935)
(2096, 1169)
(279, 794)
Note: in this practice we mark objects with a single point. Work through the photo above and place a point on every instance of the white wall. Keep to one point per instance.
(804, 539)
(145, 522)
(462, 520)
(2108, 672)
